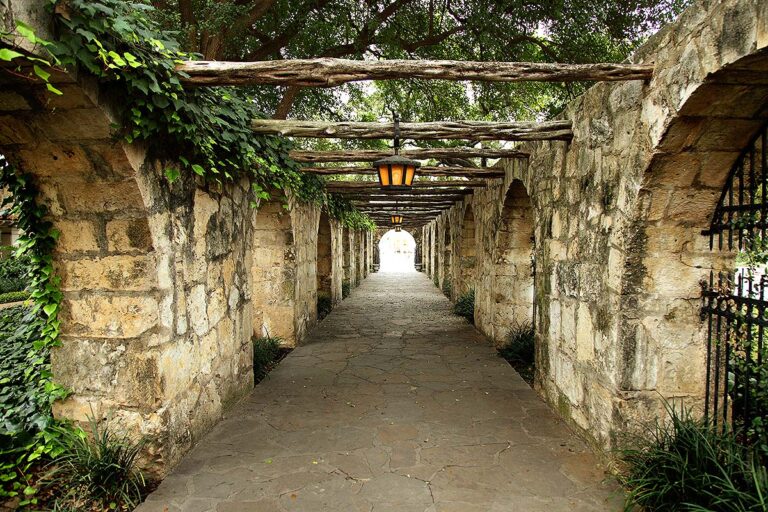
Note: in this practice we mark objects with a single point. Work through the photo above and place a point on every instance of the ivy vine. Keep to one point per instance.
(28, 389)
(207, 130)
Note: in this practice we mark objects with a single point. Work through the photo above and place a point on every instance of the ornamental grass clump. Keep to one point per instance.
(266, 353)
(96, 471)
(687, 464)
(465, 306)
(520, 349)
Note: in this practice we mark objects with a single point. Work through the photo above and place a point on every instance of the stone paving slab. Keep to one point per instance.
(394, 404)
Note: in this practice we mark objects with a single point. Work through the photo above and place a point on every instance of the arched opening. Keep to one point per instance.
(467, 255)
(397, 252)
(513, 285)
(446, 283)
(434, 247)
(324, 267)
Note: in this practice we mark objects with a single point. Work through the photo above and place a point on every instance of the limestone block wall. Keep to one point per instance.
(156, 317)
(274, 271)
(337, 260)
(306, 219)
(325, 256)
(350, 258)
(617, 218)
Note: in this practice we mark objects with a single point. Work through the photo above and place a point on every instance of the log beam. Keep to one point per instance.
(333, 72)
(416, 184)
(371, 155)
(467, 172)
(471, 130)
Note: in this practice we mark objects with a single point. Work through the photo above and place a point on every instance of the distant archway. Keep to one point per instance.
(447, 251)
(397, 251)
(513, 285)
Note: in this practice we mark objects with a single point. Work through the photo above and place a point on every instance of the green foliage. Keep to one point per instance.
(324, 305)
(520, 349)
(27, 389)
(7, 297)
(520, 344)
(99, 469)
(346, 289)
(506, 30)
(266, 351)
(207, 130)
(447, 287)
(465, 306)
(687, 464)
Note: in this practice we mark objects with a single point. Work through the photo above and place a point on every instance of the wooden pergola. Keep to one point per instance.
(428, 198)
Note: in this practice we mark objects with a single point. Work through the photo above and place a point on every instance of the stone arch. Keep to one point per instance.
(156, 315)
(467, 254)
(513, 273)
(446, 257)
(667, 255)
(398, 251)
(324, 257)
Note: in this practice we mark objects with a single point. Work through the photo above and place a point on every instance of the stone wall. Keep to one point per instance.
(617, 218)
(156, 316)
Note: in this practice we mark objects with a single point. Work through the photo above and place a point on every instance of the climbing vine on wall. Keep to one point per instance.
(28, 390)
(208, 130)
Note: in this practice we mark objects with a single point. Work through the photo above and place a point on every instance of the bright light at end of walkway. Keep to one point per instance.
(396, 252)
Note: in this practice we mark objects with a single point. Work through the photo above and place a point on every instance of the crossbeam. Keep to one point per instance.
(471, 130)
(467, 172)
(366, 192)
(416, 184)
(333, 72)
(371, 155)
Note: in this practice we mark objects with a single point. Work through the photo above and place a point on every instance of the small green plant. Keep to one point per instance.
(520, 349)
(465, 306)
(346, 289)
(7, 297)
(324, 305)
(447, 287)
(266, 351)
(683, 463)
(99, 469)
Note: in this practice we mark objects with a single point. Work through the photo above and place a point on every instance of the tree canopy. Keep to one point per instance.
(577, 31)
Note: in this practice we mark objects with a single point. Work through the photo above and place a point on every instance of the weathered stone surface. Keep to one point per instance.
(358, 419)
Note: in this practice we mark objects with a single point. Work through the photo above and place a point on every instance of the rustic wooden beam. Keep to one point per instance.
(416, 184)
(445, 192)
(370, 155)
(466, 172)
(333, 72)
(473, 130)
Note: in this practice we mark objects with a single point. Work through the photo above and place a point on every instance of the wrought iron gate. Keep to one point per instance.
(735, 304)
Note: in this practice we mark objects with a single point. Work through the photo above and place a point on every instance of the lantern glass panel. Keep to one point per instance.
(397, 174)
(384, 175)
(409, 173)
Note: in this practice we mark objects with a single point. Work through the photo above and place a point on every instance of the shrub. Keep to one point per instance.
(12, 284)
(7, 297)
(346, 289)
(447, 287)
(520, 349)
(96, 470)
(465, 306)
(687, 464)
(324, 305)
(266, 351)
(13, 266)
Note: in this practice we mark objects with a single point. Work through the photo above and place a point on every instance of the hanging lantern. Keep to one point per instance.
(396, 219)
(396, 172)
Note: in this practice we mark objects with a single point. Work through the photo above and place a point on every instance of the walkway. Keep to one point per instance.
(394, 405)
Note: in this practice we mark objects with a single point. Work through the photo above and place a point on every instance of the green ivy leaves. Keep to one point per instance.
(207, 130)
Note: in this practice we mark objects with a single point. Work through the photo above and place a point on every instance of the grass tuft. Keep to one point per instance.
(96, 470)
(465, 306)
(686, 464)
(520, 349)
(266, 353)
